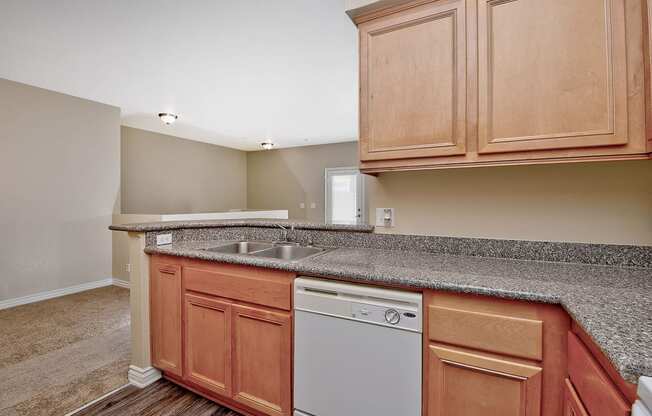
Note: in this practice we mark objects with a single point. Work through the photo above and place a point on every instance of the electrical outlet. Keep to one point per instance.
(162, 239)
(385, 217)
(313, 205)
(302, 205)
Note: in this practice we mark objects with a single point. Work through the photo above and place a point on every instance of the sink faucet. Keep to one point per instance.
(286, 236)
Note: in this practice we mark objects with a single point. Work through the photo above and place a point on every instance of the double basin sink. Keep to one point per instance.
(281, 250)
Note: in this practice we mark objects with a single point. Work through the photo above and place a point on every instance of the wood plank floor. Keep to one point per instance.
(159, 399)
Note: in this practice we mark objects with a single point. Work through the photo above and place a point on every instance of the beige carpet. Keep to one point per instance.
(59, 354)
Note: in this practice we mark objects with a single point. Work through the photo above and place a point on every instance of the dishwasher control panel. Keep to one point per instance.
(393, 315)
(391, 308)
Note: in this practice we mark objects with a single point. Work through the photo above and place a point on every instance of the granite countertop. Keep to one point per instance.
(269, 223)
(613, 304)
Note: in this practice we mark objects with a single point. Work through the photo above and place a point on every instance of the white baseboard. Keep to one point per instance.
(121, 283)
(10, 303)
(143, 377)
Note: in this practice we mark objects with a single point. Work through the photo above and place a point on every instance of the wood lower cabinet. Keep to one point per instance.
(572, 404)
(468, 384)
(228, 349)
(208, 343)
(579, 337)
(593, 385)
(493, 357)
(449, 83)
(166, 316)
(262, 359)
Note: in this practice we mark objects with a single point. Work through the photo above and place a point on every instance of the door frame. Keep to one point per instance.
(360, 192)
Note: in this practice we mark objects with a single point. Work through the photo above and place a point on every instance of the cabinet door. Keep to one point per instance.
(552, 74)
(413, 83)
(208, 343)
(262, 359)
(470, 384)
(165, 319)
(592, 383)
(572, 404)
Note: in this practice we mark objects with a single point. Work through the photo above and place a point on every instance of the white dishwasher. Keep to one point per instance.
(643, 406)
(357, 350)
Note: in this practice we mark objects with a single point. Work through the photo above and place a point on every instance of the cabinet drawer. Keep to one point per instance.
(248, 284)
(491, 332)
(595, 389)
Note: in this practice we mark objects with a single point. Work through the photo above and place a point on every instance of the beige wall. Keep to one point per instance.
(167, 175)
(59, 185)
(120, 243)
(582, 202)
(283, 179)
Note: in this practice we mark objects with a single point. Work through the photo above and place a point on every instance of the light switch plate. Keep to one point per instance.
(162, 239)
(313, 205)
(385, 217)
(302, 205)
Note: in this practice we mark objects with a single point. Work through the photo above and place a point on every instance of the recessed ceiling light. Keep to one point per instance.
(268, 144)
(168, 118)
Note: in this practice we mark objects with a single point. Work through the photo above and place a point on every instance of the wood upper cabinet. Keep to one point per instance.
(552, 74)
(413, 83)
(165, 316)
(450, 83)
(471, 384)
(262, 359)
(208, 343)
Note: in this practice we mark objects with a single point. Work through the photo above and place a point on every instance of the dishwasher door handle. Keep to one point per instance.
(323, 292)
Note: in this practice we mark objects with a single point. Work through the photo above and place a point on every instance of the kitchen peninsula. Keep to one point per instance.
(556, 316)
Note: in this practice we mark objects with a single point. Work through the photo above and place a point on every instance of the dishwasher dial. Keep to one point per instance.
(392, 316)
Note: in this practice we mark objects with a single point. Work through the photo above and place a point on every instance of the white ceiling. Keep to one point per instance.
(236, 71)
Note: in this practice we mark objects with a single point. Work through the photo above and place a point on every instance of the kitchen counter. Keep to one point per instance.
(269, 223)
(613, 304)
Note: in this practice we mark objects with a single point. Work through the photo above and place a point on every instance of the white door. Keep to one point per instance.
(344, 196)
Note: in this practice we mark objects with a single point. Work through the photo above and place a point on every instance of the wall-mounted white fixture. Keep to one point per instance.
(384, 217)
(168, 118)
(268, 144)
(162, 239)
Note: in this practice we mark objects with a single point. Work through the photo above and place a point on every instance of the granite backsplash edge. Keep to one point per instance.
(582, 253)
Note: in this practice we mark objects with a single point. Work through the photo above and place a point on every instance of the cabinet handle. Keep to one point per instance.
(167, 270)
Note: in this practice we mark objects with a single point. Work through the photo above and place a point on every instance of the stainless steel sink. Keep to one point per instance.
(241, 247)
(289, 252)
(280, 251)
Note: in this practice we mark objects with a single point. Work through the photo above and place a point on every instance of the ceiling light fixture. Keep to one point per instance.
(168, 118)
(268, 144)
